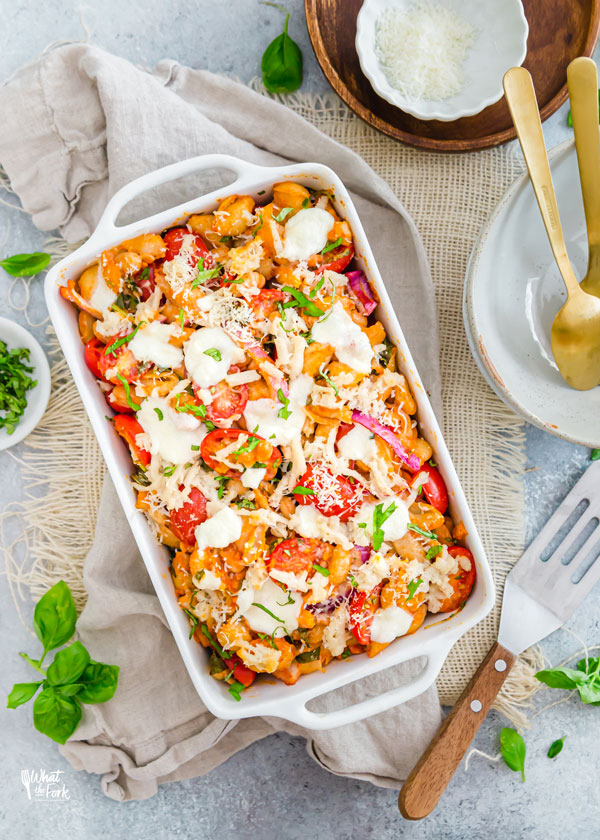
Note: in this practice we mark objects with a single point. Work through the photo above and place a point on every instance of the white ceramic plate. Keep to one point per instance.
(501, 31)
(512, 292)
(37, 398)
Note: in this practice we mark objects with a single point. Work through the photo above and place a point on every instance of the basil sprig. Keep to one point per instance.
(25, 265)
(71, 679)
(512, 747)
(281, 63)
(586, 679)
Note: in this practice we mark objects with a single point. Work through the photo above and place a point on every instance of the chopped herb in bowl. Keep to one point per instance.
(14, 384)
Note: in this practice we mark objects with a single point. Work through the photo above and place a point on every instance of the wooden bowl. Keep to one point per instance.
(559, 31)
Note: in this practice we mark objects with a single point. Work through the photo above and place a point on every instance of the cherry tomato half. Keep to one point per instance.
(117, 400)
(251, 451)
(265, 302)
(323, 483)
(191, 513)
(94, 350)
(173, 239)
(241, 672)
(338, 263)
(227, 402)
(462, 583)
(128, 427)
(121, 362)
(435, 488)
(296, 555)
(362, 611)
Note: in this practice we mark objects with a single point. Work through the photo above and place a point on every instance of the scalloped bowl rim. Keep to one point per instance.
(370, 65)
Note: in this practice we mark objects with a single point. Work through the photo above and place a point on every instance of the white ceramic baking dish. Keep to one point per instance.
(267, 696)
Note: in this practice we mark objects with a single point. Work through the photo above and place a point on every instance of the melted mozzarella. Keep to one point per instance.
(151, 344)
(291, 580)
(102, 297)
(205, 369)
(311, 523)
(209, 580)
(272, 598)
(172, 437)
(351, 344)
(264, 413)
(252, 477)
(394, 527)
(223, 528)
(389, 623)
(305, 233)
(358, 445)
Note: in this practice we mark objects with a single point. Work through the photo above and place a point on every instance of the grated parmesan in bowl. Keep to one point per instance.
(440, 59)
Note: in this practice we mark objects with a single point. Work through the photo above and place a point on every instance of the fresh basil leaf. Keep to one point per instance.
(512, 747)
(99, 682)
(589, 692)
(561, 677)
(25, 265)
(281, 63)
(68, 690)
(56, 716)
(285, 212)
(69, 664)
(556, 747)
(21, 693)
(595, 455)
(54, 616)
(589, 665)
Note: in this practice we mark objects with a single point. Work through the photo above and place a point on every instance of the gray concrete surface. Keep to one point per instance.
(273, 789)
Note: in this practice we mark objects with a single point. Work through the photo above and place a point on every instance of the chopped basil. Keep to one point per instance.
(132, 405)
(207, 274)
(251, 444)
(346, 653)
(429, 534)
(379, 517)
(259, 226)
(170, 470)
(412, 588)
(193, 622)
(264, 609)
(222, 482)
(319, 285)
(321, 570)
(245, 503)
(331, 246)
(309, 655)
(306, 203)
(302, 301)
(120, 341)
(285, 212)
(236, 689)
(434, 551)
(328, 380)
(181, 319)
(303, 491)
(213, 353)
(195, 447)
(284, 412)
(140, 477)
(159, 414)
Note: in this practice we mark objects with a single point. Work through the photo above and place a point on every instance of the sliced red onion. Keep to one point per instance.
(330, 604)
(388, 435)
(362, 290)
(363, 552)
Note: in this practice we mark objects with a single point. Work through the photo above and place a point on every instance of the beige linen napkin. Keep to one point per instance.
(78, 123)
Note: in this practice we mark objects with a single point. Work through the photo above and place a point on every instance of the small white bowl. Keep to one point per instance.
(37, 398)
(501, 31)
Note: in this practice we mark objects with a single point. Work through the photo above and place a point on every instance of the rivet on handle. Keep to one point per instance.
(476, 705)
(500, 665)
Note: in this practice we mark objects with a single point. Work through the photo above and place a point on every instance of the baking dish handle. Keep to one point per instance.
(172, 172)
(374, 705)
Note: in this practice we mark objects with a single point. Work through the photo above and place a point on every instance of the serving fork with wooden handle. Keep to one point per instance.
(541, 592)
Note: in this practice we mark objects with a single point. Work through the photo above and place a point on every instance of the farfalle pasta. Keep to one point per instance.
(275, 447)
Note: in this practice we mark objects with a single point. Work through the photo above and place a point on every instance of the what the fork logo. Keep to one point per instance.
(44, 786)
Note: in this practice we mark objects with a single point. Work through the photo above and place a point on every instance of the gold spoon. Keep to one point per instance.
(582, 77)
(575, 334)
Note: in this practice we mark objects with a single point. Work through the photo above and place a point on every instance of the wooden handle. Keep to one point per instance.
(429, 778)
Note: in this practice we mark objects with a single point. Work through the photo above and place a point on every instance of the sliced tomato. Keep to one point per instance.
(191, 513)
(265, 302)
(254, 450)
(227, 402)
(343, 430)
(121, 362)
(348, 497)
(338, 263)
(241, 672)
(117, 400)
(362, 611)
(92, 354)
(173, 239)
(434, 488)
(145, 281)
(128, 427)
(296, 555)
(462, 583)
